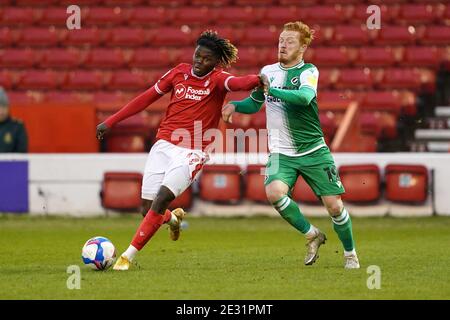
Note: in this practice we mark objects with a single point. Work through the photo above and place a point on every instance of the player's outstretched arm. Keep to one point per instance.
(244, 83)
(136, 105)
(248, 106)
(302, 96)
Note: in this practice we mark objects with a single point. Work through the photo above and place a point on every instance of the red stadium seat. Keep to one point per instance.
(6, 37)
(381, 101)
(6, 80)
(302, 192)
(435, 35)
(167, 3)
(83, 80)
(359, 13)
(98, 16)
(145, 16)
(350, 35)
(375, 57)
(406, 183)
(60, 58)
(127, 80)
(421, 56)
(261, 36)
(249, 57)
(183, 55)
(38, 80)
(131, 141)
(38, 37)
(323, 14)
(24, 98)
(417, 13)
(399, 78)
(327, 77)
(34, 3)
(354, 79)
(62, 97)
(121, 190)
(17, 58)
(184, 200)
(171, 36)
(54, 16)
(278, 15)
(369, 124)
(396, 35)
(221, 183)
(254, 186)
(123, 2)
(328, 123)
(151, 58)
(83, 37)
(236, 16)
(255, 3)
(105, 58)
(126, 37)
(211, 3)
(192, 16)
(361, 182)
(17, 16)
(325, 56)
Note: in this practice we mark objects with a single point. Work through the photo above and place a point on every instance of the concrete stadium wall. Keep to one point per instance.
(71, 183)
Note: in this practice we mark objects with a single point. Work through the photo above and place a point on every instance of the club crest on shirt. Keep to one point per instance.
(180, 90)
(206, 83)
(185, 76)
(295, 81)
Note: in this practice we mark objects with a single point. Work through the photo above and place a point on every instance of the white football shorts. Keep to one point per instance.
(171, 166)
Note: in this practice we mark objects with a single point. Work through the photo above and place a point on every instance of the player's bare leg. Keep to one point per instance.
(342, 224)
(145, 206)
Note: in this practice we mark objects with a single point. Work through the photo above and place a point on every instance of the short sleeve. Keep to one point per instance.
(165, 83)
(309, 78)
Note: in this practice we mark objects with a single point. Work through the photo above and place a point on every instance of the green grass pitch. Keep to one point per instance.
(226, 258)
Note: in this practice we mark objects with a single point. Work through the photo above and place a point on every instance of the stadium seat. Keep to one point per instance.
(83, 80)
(184, 200)
(369, 124)
(255, 3)
(17, 58)
(148, 16)
(171, 36)
(60, 58)
(123, 2)
(121, 190)
(421, 56)
(34, 79)
(192, 16)
(327, 77)
(406, 183)
(17, 16)
(328, 123)
(211, 3)
(303, 193)
(375, 57)
(151, 58)
(6, 37)
(62, 97)
(361, 182)
(417, 13)
(261, 36)
(221, 183)
(243, 16)
(54, 16)
(354, 79)
(38, 37)
(399, 78)
(129, 141)
(254, 184)
(35, 3)
(126, 37)
(167, 3)
(350, 35)
(6, 80)
(127, 80)
(435, 35)
(381, 101)
(102, 16)
(396, 35)
(323, 14)
(358, 13)
(182, 55)
(328, 56)
(278, 15)
(105, 58)
(83, 37)
(249, 57)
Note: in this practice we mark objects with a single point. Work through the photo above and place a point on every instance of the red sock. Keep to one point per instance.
(167, 215)
(148, 228)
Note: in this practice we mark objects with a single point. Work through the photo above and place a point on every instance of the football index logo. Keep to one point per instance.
(180, 90)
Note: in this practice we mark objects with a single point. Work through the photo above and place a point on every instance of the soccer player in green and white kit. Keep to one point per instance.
(296, 142)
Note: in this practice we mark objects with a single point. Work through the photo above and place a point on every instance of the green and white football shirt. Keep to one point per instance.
(294, 130)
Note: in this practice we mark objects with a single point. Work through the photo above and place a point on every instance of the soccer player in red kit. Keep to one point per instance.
(175, 160)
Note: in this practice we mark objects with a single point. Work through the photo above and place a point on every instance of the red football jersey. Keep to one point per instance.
(195, 104)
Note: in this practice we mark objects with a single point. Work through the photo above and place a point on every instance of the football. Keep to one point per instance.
(98, 253)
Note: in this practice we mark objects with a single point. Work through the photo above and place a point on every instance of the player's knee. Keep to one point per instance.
(335, 207)
(274, 194)
(162, 200)
(146, 205)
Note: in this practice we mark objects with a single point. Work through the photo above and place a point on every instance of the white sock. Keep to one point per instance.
(350, 253)
(130, 253)
(173, 220)
(312, 232)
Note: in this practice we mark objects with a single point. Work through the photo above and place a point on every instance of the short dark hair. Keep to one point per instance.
(222, 48)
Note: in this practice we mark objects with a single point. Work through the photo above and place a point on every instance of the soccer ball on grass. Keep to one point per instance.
(98, 253)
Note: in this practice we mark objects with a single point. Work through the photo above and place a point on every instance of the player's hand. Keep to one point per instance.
(264, 83)
(102, 128)
(227, 112)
